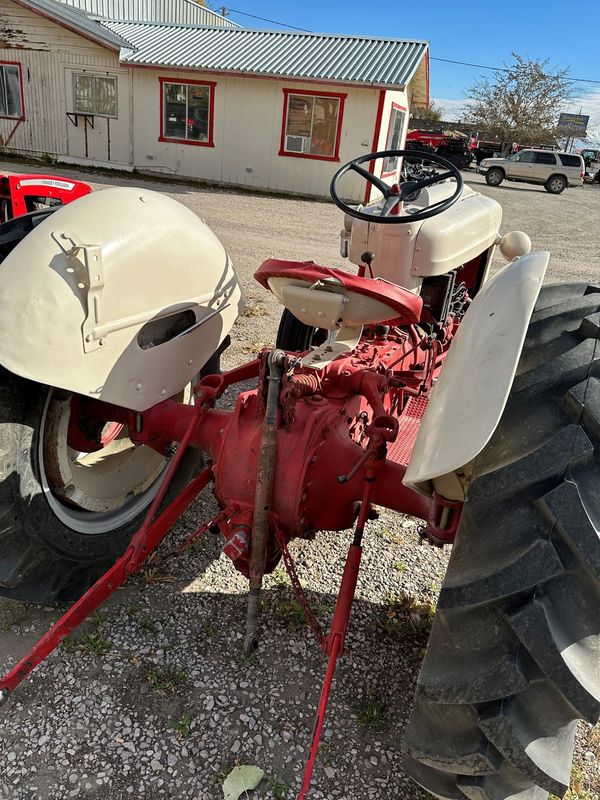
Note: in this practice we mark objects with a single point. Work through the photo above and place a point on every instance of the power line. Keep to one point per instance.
(433, 58)
(500, 69)
(265, 19)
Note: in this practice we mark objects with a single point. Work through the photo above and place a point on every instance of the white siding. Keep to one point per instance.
(183, 11)
(48, 54)
(399, 98)
(248, 117)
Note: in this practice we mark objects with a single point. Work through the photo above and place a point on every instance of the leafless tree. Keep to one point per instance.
(430, 113)
(521, 102)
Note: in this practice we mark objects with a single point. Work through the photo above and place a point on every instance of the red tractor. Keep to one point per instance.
(419, 384)
(23, 194)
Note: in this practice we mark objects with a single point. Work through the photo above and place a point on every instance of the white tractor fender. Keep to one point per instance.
(469, 397)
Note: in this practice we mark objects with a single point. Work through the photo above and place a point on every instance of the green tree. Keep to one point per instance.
(520, 103)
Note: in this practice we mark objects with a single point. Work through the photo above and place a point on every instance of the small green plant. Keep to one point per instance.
(94, 642)
(400, 566)
(292, 614)
(372, 712)
(209, 630)
(182, 727)
(143, 619)
(390, 536)
(278, 788)
(404, 616)
(166, 679)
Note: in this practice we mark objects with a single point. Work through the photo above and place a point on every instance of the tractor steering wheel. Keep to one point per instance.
(396, 193)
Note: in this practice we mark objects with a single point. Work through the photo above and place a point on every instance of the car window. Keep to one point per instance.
(545, 158)
(570, 161)
(526, 156)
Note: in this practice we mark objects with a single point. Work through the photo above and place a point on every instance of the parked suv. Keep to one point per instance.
(554, 170)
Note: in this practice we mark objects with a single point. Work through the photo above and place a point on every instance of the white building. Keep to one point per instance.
(215, 102)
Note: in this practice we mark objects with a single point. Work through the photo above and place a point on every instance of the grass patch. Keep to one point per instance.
(94, 642)
(278, 788)
(372, 712)
(390, 536)
(13, 616)
(182, 726)
(143, 619)
(400, 566)
(167, 679)
(293, 616)
(404, 617)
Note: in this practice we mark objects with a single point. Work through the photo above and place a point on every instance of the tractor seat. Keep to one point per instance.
(328, 298)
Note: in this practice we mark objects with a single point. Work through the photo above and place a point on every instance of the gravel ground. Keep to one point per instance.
(154, 698)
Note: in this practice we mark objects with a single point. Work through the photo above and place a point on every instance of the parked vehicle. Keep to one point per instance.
(22, 194)
(111, 307)
(553, 170)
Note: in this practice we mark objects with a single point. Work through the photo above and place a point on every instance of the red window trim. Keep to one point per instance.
(338, 134)
(397, 107)
(20, 66)
(211, 112)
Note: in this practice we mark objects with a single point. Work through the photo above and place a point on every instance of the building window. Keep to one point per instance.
(187, 109)
(95, 94)
(11, 97)
(394, 138)
(311, 125)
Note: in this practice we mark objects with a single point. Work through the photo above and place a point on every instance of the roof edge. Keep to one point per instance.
(69, 21)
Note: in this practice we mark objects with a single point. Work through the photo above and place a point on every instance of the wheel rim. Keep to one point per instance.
(495, 178)
(98, 492)
(556, 185)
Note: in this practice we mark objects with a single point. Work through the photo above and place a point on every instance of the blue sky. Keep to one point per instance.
(460, 31)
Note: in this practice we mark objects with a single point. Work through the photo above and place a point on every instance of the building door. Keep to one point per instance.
(97, 117)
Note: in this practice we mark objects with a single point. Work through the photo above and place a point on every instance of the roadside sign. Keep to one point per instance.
(577, 123)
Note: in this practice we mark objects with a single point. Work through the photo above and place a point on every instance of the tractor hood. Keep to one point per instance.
(122, 295)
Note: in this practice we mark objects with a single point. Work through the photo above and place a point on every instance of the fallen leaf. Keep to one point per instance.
(241, 779)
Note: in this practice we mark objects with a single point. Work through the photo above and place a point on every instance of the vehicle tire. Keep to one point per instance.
(512, 659)
(556, 184)
(295, 336)
(494, 176)
(65, 516)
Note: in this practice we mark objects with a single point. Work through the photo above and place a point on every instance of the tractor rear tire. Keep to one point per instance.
(296, 337)
(54, 546)
(513, 660)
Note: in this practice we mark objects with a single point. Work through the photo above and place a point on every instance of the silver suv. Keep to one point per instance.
(554, 170)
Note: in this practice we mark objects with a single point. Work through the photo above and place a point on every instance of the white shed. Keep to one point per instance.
(266, 109)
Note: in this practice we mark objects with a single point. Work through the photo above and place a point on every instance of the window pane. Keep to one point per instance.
(106, 97)
(394, 138)
(197, 113)
(175, 110)
(526, 156)
(300, 113)
(324, 128)
(3, 100)
(545, 158)
(83, 94)
(13, 91)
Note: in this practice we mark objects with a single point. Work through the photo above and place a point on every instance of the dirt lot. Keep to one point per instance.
(156, 700)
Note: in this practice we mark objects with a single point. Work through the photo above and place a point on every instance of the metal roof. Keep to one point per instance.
(76, 20)
(313, 56)
(175, 11)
